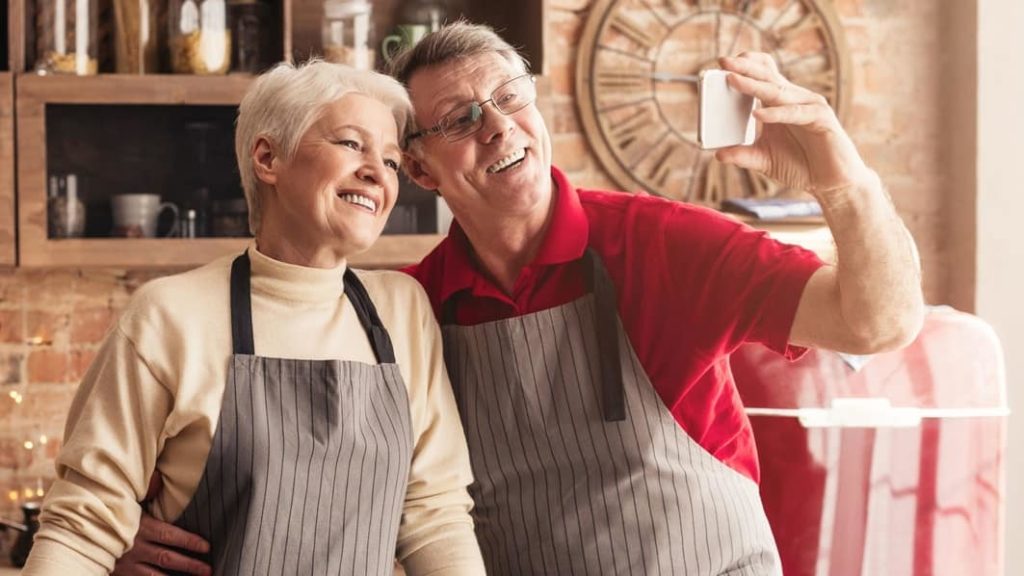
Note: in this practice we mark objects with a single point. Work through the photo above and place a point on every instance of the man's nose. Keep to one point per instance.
(495, 124)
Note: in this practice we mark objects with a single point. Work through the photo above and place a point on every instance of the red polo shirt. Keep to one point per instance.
(692, 285)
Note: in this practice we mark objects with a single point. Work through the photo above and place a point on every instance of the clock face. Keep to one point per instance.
(636, 83)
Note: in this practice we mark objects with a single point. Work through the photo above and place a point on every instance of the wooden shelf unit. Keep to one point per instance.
(25, 95)
(8, 247)
(34, 93)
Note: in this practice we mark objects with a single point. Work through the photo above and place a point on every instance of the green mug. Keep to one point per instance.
(405, 36)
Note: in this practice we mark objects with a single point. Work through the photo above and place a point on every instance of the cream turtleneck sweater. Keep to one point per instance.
(152, 397)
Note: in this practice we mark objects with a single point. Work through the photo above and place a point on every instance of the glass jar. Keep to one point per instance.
(250, 34)
(347, 33)
(429, 13)
(66, 32)
(198, 36)
(135, 37)
(231, 218)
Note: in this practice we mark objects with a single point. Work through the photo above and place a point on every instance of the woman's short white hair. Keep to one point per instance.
(286, 100)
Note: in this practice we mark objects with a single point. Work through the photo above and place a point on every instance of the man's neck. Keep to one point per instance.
(504, 248)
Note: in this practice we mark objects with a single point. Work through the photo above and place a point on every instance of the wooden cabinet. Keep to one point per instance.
(54, 137)
(7, 231)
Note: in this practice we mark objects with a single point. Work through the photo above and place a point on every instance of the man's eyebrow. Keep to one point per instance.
(445, 104)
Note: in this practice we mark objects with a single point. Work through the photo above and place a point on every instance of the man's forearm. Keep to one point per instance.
(878, 269)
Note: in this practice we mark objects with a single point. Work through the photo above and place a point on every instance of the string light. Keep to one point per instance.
(29, 445)
(43, 440)
(12, 495)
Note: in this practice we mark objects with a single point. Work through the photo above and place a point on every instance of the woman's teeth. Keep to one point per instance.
(507, 161)
(360, 201)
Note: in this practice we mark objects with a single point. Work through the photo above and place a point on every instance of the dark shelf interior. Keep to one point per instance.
(185, 154)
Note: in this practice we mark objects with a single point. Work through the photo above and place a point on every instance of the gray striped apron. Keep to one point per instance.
(580, 468)
(309, 465)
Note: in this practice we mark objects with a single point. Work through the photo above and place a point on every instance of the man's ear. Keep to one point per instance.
(417, 171)
(265, 161)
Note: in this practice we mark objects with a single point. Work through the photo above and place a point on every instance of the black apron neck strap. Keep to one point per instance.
(367, 313)
(448, 310)
(241, 312)
(241, 306)
(606, 322)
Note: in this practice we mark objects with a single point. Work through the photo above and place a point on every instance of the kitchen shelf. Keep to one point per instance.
(96, 150)
(35, 91)
(7, 230)
(390, 251)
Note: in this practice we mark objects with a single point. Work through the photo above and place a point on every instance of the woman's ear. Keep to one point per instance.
(265, 161)
(417, 171)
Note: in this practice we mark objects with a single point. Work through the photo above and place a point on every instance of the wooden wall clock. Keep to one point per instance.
(636, 83)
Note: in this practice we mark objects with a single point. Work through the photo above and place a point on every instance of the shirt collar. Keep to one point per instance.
(565, 241)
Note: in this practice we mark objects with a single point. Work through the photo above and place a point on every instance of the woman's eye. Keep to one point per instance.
(350, 144)
(391, 164)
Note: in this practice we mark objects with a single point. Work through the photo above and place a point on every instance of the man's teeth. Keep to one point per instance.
(360, 201)
(507, 161)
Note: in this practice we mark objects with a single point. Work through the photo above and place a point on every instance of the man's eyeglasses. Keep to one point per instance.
(466, 119)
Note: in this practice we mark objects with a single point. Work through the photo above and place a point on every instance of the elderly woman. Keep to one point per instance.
(298, 412)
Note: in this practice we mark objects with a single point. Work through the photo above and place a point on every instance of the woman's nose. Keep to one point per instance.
(371, 173)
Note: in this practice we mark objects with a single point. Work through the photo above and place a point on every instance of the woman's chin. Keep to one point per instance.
(356, 240)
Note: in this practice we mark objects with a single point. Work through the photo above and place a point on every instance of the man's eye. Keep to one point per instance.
(506, 98)
(462, 120)
(392, 165)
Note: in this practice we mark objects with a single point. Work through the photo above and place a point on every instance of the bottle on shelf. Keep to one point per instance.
(198, 36)
(347, 33)
(135, 37)
(65, 213)
(250, 22)
(66, 36)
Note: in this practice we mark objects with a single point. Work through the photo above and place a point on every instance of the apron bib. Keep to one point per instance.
(308, 468)
(580, 468)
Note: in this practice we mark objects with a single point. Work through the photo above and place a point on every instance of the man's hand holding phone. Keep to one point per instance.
(802, 143)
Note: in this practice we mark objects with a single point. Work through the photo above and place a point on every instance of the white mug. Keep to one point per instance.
(136, 215)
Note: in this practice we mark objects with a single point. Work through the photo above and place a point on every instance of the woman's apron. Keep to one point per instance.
(308, 468)
(580, 468)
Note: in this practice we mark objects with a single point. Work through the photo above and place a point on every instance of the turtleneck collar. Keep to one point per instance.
(292, 282)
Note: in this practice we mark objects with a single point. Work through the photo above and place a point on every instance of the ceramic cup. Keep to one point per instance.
(405, 36)
(136, 215)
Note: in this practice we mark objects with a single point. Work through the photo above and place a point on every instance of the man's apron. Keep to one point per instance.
(308, 468)
(580, 468)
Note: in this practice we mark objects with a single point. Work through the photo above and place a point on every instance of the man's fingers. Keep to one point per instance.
(756, 65)
(162, 533)
(748, 157)
(814, 116)
(142, 570)
(772, 93)
(171, 560)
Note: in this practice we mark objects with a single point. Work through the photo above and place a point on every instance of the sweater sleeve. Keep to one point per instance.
(111, 441)
(436, 535)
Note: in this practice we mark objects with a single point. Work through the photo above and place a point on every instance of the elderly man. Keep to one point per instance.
(587, 333)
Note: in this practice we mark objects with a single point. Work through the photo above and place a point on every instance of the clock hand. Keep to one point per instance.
(667, 77)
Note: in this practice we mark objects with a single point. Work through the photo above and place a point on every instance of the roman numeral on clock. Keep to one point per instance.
(632, 30)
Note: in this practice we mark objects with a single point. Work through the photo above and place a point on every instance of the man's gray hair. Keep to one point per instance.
(454, 41)
(285, 101)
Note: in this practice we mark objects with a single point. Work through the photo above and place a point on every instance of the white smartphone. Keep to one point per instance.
(726, 115)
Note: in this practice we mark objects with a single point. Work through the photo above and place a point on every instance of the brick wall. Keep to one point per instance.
(51, 323)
